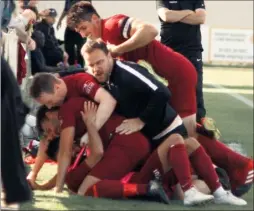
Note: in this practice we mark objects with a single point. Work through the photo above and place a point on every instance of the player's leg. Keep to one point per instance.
(203, 166)
(124, 153)
(238, 167)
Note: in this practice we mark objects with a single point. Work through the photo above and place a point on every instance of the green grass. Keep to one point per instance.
(235, 121)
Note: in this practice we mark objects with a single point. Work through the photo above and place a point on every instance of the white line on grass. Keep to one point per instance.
(234, 95)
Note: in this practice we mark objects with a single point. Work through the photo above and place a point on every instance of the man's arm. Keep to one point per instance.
(170, 16)
(64, 156)
(199, 16)
(40, 160)
(106, 106)
(95, 142)
(137, 32)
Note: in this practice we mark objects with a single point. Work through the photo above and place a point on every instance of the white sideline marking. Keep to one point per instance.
(234, 95)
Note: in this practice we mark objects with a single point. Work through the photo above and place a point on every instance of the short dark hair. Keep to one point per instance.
(41, 117)
(92, 45)
(42, 82)
(81, 11)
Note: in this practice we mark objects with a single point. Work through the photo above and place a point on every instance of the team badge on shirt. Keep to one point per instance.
(88, 86)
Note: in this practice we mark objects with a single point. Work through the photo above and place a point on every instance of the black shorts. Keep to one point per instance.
(181, 130)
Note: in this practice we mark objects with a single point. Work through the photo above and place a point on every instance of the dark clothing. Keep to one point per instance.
(186, 39)
(38, 63)
(183, 38)
(52, 52)
(69, 3)
(196, 60)
(139, 94)
(73, 43)
(13, 113)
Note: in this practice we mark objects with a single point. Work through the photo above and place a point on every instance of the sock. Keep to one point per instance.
(221, 155)
(114, 189)
(179, 160)
(203, 165)
(146, 172)
(75, 177)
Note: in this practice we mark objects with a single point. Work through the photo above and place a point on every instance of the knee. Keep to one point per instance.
(191, 144)
(175, 139)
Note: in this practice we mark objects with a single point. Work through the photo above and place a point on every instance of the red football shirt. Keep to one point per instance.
(69, 116)
(116, 30)
(81, 85)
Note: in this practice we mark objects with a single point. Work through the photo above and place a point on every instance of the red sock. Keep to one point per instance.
(146, 173)
(221, 155)
(203, 165)
(75, 177)
(114, 189)
(179, 160)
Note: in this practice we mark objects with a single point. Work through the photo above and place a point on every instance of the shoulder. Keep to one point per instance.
(115, 19)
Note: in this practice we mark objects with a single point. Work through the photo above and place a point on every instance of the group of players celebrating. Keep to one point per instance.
(140, 134)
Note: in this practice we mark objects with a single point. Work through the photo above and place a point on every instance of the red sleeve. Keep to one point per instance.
(67, 115)
(87, 85)
(117, 26)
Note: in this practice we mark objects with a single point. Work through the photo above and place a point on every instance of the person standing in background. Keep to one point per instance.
(180, 30)
(72, 38)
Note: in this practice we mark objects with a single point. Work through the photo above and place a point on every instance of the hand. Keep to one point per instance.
(114, 50)
(84, 140)
(59, 24)
(31, 44)
(89, 113)
(130, 126)
(65, 59)
(58, 190)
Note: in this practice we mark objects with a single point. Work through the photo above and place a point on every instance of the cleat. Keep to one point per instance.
(156, 190)
(229, 198)
(223, 177)
(242, 179)
(194, 197)
(210, 125)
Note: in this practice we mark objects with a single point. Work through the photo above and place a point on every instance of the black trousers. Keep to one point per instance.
(72, 39)
(13, 113)
(196, 60)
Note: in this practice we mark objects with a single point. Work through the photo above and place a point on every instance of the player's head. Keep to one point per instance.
(47, 122)
(48, 90)
(98, 59)
(83, 18)
(49, 15)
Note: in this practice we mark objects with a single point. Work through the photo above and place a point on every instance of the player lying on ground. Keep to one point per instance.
(75, 177)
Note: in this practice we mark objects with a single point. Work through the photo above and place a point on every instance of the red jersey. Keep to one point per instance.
(69, 116)
(116, 30)
(81, 85)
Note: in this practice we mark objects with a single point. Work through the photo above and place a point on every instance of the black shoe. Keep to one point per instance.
(156, 190)
(223, 177)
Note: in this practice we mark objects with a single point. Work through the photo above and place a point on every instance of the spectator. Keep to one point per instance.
(180, 30)
(52, 52)
(72, 38)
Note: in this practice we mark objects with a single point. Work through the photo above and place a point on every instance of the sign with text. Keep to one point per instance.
(231, 45)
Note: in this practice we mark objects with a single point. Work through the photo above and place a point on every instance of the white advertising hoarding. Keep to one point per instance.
(205, 31)
(231, 45)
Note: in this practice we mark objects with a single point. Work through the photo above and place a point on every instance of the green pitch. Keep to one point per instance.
(235, 121)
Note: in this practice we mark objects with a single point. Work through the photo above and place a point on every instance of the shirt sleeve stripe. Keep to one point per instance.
(126, 27)
(137, 74)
